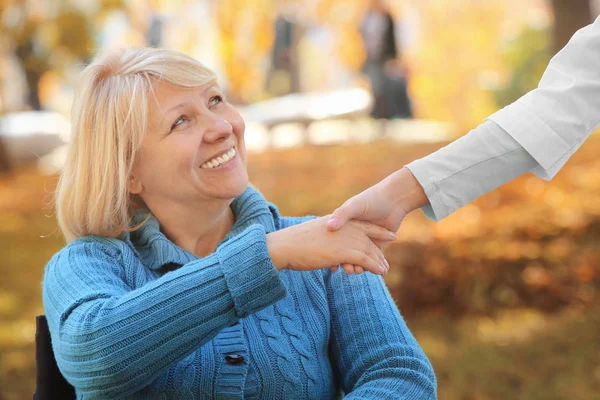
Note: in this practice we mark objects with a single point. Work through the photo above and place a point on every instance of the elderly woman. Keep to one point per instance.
(181, 282)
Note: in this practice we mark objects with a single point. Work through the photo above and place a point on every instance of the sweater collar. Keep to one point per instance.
(155, 250)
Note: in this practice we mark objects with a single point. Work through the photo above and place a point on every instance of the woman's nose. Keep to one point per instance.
(218, 129)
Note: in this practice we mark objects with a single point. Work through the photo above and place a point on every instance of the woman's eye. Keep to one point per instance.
(216, 100)
(178, 122)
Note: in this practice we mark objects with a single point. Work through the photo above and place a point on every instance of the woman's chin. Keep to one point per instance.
(240, 189)
(230, 190)
(225, 183)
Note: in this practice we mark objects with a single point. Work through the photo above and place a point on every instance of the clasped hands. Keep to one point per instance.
(353, 235)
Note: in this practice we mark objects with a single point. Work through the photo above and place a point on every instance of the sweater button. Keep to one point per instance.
(234, 359)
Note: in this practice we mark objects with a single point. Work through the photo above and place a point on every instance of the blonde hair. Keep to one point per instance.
(109, 121)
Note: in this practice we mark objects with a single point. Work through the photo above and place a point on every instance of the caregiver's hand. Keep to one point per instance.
(309, 246)
(385, 204)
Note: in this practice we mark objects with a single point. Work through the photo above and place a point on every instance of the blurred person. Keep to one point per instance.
(181, 281)
(539, 132)
(283, 76)
(382, 65)
(154, 32)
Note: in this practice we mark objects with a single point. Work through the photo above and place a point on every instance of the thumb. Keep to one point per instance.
(340, 216)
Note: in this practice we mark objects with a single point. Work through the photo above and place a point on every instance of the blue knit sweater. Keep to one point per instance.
(141, 318)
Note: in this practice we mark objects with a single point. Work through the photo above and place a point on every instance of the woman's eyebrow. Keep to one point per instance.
(212, 87)
(175, 107)
(182, 105)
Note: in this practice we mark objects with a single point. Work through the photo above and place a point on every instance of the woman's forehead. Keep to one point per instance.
(167, 97)
(165, 90)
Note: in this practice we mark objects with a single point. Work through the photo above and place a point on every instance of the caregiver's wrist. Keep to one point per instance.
(405, 190)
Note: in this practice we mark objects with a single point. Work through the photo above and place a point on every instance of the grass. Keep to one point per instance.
(522, 354)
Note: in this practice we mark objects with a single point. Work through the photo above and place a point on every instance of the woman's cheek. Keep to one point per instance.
(237, 122)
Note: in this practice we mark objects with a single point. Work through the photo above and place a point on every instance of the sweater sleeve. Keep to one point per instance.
(371, 347)
(111, 341)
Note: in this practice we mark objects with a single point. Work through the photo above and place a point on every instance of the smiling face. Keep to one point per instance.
(193, 150)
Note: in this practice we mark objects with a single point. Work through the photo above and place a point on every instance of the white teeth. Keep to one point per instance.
(215, 162)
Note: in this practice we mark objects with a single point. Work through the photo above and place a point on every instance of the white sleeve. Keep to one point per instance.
(552, 121)
(477, 163)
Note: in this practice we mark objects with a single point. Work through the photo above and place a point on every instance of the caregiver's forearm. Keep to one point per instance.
(477, 163)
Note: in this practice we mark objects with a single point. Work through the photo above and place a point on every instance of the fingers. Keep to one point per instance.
(375, 232)
(365, 255)
(342, 214)
(369, 261)
(376, 252)
(349, 268)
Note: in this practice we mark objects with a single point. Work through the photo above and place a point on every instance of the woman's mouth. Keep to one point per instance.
(220, 160)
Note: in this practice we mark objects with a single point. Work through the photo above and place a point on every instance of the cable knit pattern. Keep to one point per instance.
(140, 318)
(293, 326)
(316, 324)
(286, 362)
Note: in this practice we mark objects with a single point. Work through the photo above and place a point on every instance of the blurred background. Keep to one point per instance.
(503, 295)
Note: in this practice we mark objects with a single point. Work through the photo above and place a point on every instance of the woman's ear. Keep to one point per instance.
(134, 185)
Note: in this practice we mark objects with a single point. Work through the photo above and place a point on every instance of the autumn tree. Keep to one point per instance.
(47, 37)
(569, 16)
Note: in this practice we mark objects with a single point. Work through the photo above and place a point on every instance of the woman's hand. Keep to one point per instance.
(310, 245)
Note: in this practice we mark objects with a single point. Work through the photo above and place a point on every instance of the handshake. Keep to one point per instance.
(353, 235)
